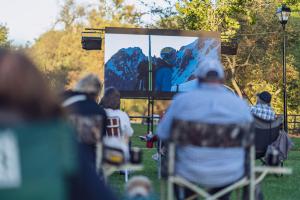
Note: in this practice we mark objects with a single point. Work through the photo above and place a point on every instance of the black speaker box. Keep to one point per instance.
(91, 43)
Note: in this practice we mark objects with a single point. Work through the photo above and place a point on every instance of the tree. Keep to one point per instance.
(257, 65)
(58, 52)
(4, 42)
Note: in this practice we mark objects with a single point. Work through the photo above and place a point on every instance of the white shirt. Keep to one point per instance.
(124, 121)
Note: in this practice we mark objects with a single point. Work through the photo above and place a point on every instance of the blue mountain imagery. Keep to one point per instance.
(122, 69)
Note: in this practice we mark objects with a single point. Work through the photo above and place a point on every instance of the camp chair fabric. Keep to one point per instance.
(209, 135)
(113, 127)
(204, 135)
(266, 132)
(88, 128)
(45, 158)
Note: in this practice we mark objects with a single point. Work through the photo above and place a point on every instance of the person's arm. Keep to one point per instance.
(104, 121)
(125, 123)
(164, 127)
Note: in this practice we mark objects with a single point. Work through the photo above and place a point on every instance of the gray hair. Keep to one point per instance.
(89, 84)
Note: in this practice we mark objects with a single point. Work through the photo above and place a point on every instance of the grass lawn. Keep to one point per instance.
(274, 188)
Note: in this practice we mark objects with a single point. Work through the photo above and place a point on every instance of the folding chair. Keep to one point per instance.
(113, 129)
(266, 132)
(217, 136)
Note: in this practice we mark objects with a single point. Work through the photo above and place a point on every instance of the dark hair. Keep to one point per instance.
(23, 89)
(211, 76)
(111, 99)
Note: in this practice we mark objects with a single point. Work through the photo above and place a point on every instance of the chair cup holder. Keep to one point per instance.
(135, 155)
(272, 158)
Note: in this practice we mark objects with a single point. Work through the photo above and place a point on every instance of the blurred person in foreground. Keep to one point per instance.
(263, 109)
(39, 158)
(111, 102)
(211, 102)
(86, 115)
(139, 188)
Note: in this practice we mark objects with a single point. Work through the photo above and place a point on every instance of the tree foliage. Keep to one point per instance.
(252, 23)
(59, 53)
(4, 42)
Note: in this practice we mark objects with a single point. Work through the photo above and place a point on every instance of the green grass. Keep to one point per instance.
(274, 188)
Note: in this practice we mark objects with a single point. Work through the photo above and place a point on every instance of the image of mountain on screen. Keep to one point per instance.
(142, 76)
(189, 56)
(127, 70)
(121, 70)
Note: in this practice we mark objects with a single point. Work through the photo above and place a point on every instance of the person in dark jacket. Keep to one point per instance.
(86, 115)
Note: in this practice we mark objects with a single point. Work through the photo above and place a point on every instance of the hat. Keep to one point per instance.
(168, 54)
(138, 186)
(210, 65)
(89, 84)
(265, 96)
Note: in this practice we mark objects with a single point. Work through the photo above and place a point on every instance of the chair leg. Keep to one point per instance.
(238, 194)
(126, 175)
(252, 174)
(170, 190)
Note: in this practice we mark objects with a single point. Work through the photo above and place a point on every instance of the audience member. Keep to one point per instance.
(263, 109)
(211, 102)
(41, 158)
(111, 103)
(24, 94)
(139, 188)
(87, 116)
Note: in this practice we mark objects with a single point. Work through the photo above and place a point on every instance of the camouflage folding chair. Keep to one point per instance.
(217, 136)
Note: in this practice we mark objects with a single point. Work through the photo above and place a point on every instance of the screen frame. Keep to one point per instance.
(163, 32)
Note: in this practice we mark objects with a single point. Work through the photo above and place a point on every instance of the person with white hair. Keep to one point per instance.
(210, 103)
(88, 118)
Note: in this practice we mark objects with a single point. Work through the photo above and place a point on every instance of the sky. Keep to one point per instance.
(114, 42)
(27, 19)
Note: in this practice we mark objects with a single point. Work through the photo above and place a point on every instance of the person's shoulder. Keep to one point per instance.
(90, 107)
(182, 96)
(235, 100)
(116, 113)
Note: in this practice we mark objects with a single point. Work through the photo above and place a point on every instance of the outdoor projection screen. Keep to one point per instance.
(155, 62)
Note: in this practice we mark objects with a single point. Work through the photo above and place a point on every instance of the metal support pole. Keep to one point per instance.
(152, 114)
(284, 80)
(149, 86)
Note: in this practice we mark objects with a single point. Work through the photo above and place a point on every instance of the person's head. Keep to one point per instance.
(23, 89)
(111, 99)
(90, 85)
(168, 54)
(138, 186)
(264, 97)
(210, 71)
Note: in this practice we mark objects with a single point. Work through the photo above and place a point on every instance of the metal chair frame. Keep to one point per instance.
(113, 129)
(249, 180)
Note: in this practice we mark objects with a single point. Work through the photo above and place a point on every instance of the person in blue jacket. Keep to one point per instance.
(163, 72)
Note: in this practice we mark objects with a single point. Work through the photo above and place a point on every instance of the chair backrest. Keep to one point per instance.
(266, 132)
(211, 135)
(27, 149)
(113, 127)
(89, 128)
